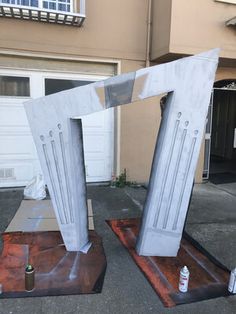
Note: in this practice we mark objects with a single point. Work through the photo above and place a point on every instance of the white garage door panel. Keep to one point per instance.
(98, 145)
(14, 130)
(101, 121)
(94, 143)
(12, 115)
(15, 173)
(17, 146)
(18, 157)
(95, 169)
(94, 121)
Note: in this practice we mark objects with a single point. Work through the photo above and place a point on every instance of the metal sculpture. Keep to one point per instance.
(58, 139)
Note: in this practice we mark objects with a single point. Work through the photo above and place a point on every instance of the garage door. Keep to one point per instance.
(18, 156)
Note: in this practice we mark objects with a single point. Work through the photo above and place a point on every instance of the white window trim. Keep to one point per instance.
(40, 14)
(40, 5)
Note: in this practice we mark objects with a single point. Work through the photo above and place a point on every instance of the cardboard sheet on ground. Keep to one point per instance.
(34, 216)
(33, 237)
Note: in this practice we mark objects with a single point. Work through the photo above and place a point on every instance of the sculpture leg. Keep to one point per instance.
(62, 159)
(172, 175)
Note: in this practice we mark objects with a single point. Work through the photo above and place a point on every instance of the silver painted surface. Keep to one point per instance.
(59, 143)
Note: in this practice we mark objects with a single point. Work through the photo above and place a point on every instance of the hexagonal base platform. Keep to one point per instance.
(208, 278)
(57, 272)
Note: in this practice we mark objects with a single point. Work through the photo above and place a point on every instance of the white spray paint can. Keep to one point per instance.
(184, 279)
(232, 281)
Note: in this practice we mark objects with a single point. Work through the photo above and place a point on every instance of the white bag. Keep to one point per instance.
(35, 189)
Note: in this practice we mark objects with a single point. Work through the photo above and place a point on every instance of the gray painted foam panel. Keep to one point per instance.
(58, 139)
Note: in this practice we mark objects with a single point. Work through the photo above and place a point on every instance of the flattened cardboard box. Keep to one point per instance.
(35, 216)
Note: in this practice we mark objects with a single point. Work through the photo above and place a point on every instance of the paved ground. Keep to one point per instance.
(211, 221)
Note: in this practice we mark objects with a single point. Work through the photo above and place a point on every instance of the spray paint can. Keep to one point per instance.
(29, 278)
(184, 279)
(232, 281)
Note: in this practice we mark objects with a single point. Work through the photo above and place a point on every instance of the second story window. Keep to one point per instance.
(54, 5)
(58, 5)
(62, 12)
(31, 3)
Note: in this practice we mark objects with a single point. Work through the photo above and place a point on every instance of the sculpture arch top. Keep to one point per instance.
(58, 139)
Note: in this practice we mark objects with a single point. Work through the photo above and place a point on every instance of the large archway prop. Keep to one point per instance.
(58, 138)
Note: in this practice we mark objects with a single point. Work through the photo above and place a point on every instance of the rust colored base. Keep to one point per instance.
(57, 272)
(208, 279)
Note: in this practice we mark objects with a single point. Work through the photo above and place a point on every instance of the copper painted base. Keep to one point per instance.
(57, 272)
(208, 279)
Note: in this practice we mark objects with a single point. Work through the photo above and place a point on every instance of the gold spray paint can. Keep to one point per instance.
(29, 278)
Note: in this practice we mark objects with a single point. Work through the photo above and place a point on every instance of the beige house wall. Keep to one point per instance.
(161, 28)
(196, 26)
(224, 73)
(112, 29)
(139, 126)
(113, 32)
(113, 40)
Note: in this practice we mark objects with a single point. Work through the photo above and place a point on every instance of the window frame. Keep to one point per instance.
(40, 4)
(17, 76)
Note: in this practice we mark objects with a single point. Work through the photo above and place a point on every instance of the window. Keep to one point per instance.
(57, 85)
(58, 5)
(14, 86)
(28, 3)
(48, 11)
(54, 5)
(31, 3)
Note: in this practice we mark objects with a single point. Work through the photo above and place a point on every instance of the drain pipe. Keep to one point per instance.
(148, 41)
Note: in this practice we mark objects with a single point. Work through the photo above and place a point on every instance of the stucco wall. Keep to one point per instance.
(139, 127)
(196, 26)
(224, 73)
(112, 29)
(161, 27)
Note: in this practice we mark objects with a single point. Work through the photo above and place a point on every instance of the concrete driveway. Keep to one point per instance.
(211, 221)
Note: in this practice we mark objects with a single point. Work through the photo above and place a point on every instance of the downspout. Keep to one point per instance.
(149, 25)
